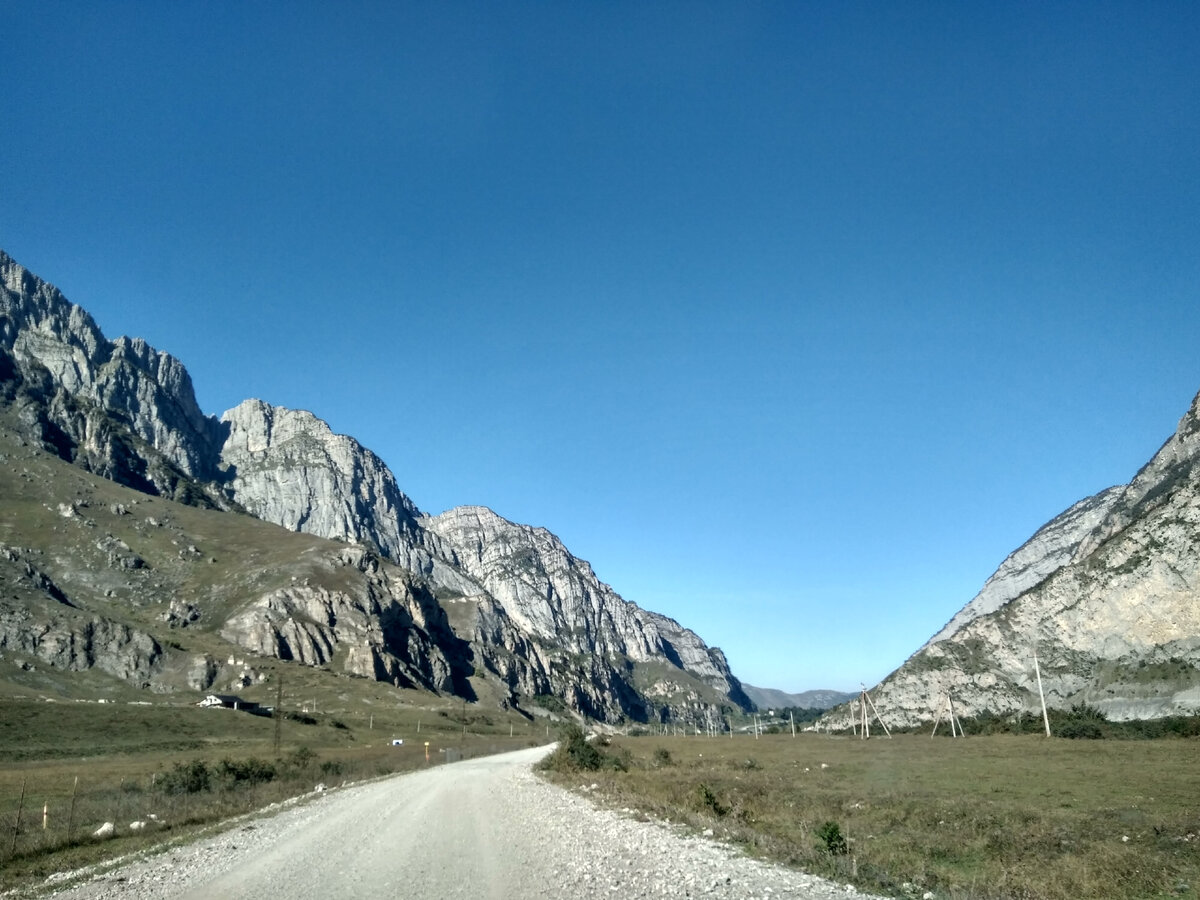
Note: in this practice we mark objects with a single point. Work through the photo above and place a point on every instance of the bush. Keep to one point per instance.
(1080, 729)
(302, 757)
(830, 840)
(576, 754)
(252, 771)
(187, 778)
(708, 802)
(662, 756)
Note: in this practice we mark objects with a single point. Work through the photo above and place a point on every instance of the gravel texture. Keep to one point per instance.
(480, 828)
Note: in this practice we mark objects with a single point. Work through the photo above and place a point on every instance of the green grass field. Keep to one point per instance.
(977, 817)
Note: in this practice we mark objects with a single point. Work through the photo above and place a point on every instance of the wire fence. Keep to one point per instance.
(48, 810)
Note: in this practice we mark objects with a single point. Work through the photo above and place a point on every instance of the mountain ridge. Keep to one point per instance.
(128, 412)
(770, 698)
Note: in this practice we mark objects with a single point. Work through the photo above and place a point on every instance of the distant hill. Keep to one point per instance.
(769, 698)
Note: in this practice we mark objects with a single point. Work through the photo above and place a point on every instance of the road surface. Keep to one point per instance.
(481, 828)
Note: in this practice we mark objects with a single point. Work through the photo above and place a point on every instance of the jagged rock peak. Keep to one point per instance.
(288, 467)
(556, 597)
(1174, 462)
(39, 311)
(144, 389)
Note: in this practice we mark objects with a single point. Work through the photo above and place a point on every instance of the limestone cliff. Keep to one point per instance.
(1051, 547)
(379, 626)
(118, 408)
(288, 467)
(1105, 594)
(39, 620)
(559, 606)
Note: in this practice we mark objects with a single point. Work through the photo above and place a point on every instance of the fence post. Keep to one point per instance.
(71, 814)
(17, 826)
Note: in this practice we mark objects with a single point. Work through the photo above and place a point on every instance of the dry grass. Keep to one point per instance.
(122, 755)
(981, 817)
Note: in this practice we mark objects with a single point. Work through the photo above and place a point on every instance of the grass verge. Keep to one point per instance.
(980, 818)
(193, 768)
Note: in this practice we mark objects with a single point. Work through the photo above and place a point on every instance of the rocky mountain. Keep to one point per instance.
(769, 698)
(563, 614)
(96, 578)
(435, 597)
(117, 408)
(1106, 596)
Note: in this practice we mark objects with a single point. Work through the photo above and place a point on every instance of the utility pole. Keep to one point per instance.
(1041, 695)
(278, 711)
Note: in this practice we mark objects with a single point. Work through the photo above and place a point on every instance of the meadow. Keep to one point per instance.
(68, 767)
(981, 817)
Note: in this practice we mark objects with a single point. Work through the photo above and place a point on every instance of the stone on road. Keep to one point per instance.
(482, 828)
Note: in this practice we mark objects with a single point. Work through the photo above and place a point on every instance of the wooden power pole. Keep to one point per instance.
(278, 711)
(1041, 694)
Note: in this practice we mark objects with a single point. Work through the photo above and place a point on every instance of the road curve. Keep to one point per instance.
(482, 828)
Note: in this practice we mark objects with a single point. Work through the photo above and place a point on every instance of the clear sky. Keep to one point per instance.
(793, 318)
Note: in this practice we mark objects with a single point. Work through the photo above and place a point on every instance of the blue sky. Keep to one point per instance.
(793, 318)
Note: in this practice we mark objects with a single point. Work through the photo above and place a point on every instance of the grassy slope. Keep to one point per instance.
(981, 817)
(216, 561)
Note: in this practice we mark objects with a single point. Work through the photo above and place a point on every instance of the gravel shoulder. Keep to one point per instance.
(485, 827)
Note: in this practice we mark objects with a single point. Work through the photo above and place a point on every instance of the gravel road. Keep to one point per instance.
(480, 828)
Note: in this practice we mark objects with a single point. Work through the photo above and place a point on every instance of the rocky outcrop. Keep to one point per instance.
(556, 603)
(1113, 620)
(379, 627)
(62, 635)
(288, 467)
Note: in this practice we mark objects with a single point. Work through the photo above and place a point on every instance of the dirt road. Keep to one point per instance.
(483, 828)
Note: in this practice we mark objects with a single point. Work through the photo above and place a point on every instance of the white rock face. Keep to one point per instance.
(1105, 595)
(143, 389)
(556, 598)
(378, 627)
(1052, 547)
(288, 467)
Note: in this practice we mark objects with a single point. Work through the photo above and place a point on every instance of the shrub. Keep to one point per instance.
(708, 802)
(1080, 729)
(252, 771)
(830, 840)
(576, 754)
(662, 756)
(302, 757)
(187, 778)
